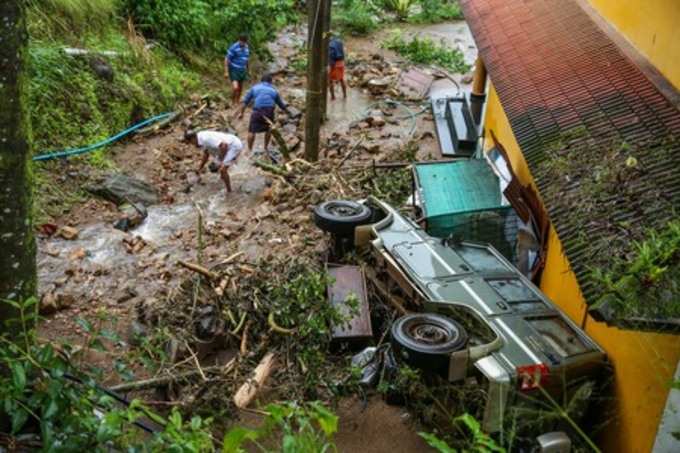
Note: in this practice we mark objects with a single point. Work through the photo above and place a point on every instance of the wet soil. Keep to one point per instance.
(110, 272)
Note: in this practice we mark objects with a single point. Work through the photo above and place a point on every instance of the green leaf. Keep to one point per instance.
(326, 419)
(235, 438)
(436, 443)
(19, 417)
(18, 376)
(289, 444)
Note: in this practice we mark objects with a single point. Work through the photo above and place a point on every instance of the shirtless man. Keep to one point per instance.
(224, 149)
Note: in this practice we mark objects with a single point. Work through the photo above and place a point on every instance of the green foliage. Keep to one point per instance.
(69, 16)
(400, 7)
(433, 11)
(478, 441)
(355, 17)
(425, 51)
(44, 390)
(209, 25)
(307, 428)
(647, 282)
(302, 304)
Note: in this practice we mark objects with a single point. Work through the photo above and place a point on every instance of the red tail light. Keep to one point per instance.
(532, 376)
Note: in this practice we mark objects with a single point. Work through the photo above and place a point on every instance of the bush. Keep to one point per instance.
(209, 25)
(73, 14)
(437, 11)
(355, 17)
(400, 7)
(426, 51)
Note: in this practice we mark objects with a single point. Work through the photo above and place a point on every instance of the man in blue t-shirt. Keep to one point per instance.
(264, 98)
(236, 66)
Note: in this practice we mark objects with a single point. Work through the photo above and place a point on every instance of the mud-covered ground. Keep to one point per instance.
(108, 274)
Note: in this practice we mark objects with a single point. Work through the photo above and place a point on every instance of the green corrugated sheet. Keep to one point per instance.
(462, 200)
(457, 187)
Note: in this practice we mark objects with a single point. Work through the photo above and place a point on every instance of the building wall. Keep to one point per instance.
(644, 363)
(652, 26)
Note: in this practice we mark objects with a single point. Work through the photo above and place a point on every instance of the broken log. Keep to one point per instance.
(198, 269)
(278, 138)
(248, 391)
(167, 379)
(270, 168)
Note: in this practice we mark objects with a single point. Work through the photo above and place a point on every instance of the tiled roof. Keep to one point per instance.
(579, 107)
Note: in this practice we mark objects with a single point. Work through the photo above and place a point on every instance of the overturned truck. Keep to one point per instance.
(476, 316)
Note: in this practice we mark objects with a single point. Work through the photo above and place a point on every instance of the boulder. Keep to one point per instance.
(119, 188)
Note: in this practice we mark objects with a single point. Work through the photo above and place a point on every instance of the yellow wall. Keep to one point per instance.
(652, 26)
(643, 363)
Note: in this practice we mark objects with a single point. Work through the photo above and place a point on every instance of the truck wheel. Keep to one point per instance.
(425, 340)
(341, 217)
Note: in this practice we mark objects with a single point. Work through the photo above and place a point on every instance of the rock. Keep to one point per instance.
(378, 86)
(68, 233)
(48, 229)
(78, 254)
(120, 188)
(102, 68)
(294, 112)
(128, 293)
(426, 134)
(52, 302)
(133, 215)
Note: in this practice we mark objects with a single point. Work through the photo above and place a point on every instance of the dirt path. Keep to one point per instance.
(107, 274)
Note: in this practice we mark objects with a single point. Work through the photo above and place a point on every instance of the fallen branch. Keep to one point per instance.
(350, 152)
(270, 168)
(248, 391)
(199, 269)
(277, 328)
(164, 380)
(278, 138)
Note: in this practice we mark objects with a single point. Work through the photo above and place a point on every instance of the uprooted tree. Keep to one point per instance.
(17, 243)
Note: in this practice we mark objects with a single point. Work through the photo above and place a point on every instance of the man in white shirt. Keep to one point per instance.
(223, 147)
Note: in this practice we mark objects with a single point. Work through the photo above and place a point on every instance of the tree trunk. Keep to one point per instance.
(316, 11)
(324, 59)
(17, 243)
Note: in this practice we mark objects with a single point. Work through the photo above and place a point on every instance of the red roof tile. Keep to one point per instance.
(567, 88)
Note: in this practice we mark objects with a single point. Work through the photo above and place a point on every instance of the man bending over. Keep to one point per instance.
(224, 149)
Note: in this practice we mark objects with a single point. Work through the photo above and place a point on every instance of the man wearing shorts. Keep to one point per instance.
(336, 63)
(236, 66)
(264, 98)
(224, 149)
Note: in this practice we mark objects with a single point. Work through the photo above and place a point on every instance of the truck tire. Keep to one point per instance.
(425, 340)
(341, 217)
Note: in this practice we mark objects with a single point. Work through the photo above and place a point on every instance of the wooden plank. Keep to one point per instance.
(349, 280)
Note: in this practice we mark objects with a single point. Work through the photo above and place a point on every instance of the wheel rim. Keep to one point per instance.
(343, 210)
(430, 334)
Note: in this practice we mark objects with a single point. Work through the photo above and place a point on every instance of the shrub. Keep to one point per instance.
(432, 11)
(69, 14)
(401, 8)
(209, 25)
(426, 51)
(355, 17)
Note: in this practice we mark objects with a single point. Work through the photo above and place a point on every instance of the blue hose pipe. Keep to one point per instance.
(86, 149)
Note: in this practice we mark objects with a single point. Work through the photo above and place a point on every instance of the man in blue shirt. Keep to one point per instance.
(236, 66)
(264, 98)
